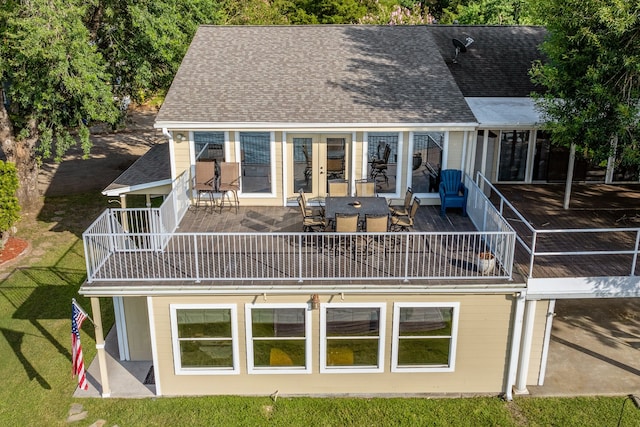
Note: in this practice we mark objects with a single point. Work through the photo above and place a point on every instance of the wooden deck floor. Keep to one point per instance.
(591, 206)
(287, 219)
(244, 246)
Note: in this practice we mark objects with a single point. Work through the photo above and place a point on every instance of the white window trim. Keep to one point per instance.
(324, 369)
(177, 362)
(249, 340)
(399, 162)
(272, 166)
(409, 172)
(396, 332)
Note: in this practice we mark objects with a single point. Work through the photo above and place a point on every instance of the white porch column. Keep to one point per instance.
(515, 345)
(611, 161)
(547, 338)
(485, 153)
(525, 350)
(567, 187)
(102, 356)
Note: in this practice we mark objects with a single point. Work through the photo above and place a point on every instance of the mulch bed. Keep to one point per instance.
(13, 249)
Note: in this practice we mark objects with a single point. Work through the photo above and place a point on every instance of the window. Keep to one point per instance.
(513, 155)
(209, 145)
(303, 164)
(204, 339)
(387, 177)
(352, 337)
(424, 337)
(426, 162)
(255, 158)
(278, 338)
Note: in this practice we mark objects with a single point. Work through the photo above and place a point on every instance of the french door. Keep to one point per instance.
(317, 158)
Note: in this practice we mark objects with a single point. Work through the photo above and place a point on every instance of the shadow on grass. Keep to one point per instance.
(38, 294)
(14, 338)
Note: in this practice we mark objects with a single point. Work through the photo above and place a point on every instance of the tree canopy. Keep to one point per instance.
(592, 75)
(65, 64)
(490, 12)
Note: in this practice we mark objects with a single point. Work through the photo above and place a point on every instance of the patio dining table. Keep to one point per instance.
(345, 205)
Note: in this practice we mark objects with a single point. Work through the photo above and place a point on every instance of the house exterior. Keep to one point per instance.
(269, 311)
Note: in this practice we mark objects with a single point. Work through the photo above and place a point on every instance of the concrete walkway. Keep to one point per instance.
(594, 349)
(125, 378)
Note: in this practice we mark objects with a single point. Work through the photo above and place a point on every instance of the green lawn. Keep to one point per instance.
(37, 388)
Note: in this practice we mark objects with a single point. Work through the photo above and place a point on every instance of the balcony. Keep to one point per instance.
(598, 237)
(180, 245)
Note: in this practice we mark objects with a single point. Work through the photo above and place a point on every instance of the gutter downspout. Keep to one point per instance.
(515, 345)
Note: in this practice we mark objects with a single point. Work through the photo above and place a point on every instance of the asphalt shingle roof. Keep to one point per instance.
(153, 166)
(497, 63)
(314, 75)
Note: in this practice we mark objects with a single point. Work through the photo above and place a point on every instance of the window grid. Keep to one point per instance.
(282, 358)
(449, 334)
(191, 359)
(352, 359)
(212, 141)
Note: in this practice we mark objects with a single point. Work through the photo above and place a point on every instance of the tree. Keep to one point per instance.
(143, 42)
(396, 14)
(592, 76)
(9, 207)
(54, 84)
(489, 12)
(64, 64)
(259, 12)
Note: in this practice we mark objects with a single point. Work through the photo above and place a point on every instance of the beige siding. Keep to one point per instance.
(454, 153)
(402, 179)
(542, 308)
(482, 351)
(360, 171)
(138, 335)
(181, 152)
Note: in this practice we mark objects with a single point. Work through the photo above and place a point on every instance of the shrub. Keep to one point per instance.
(9, 206)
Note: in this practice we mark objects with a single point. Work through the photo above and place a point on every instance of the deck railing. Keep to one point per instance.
(581, 252)
(142, 245)
(297, 256)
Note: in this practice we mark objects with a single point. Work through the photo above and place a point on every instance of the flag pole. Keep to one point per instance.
(73, 301)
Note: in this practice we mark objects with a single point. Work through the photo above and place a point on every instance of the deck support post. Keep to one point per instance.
(102, 356)
(515, 344)
(525, 348)
(547, 338)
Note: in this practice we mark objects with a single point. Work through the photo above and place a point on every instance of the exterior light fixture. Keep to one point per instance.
(315, 302)
(180, 137)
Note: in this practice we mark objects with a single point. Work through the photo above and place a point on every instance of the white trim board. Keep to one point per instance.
(584, 287)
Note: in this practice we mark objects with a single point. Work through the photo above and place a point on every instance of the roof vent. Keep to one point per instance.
(461, 47)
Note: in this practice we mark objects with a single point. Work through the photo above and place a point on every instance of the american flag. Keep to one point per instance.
(77, 317)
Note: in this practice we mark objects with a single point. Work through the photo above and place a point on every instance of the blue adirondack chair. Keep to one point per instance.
(453, 193)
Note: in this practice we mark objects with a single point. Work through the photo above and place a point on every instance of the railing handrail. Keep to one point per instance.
(536, 233)
(589, 230)
(302, 233)
(299, 256)
(503, 200)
